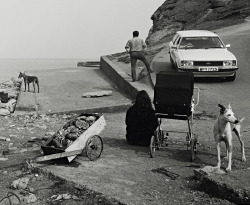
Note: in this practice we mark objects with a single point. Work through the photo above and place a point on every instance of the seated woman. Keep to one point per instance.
(141, 121)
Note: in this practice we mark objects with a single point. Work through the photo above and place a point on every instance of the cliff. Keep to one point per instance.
(175, 15)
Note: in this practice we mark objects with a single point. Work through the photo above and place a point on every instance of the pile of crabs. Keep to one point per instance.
(64, 137)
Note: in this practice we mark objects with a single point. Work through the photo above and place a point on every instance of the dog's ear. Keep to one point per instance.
(229, 107)
(222, 108)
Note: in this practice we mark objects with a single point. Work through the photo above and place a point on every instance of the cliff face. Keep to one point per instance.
(175, 15)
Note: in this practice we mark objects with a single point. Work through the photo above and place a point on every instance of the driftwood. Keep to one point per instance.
(97, 94)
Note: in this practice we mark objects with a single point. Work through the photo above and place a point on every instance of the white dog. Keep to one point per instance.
(223, 132)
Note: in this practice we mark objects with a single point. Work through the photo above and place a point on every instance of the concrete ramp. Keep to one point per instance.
(61, 90)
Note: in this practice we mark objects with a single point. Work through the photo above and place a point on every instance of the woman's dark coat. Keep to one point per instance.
(141, 124)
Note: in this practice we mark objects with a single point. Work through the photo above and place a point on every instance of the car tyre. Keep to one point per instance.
(172, 63)
(231, 78)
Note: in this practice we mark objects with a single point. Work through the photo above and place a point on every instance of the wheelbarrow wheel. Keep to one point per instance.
(94, 147)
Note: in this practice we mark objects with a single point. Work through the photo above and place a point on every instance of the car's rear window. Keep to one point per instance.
(200, 43)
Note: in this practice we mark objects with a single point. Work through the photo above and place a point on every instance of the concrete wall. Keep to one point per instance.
(119, 77)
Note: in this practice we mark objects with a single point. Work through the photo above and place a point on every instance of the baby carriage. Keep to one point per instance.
(173, 99)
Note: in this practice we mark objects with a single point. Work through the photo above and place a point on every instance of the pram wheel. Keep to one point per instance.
(155, 142)
(153, 145)
(193, 145)
(192, 149)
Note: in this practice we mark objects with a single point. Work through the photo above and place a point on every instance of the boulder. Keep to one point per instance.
(207, 171)
(4, 112)
(11, 105)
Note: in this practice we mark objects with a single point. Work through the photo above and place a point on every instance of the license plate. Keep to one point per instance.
(208, 69)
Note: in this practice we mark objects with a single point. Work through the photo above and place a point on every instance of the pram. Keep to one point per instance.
(173, 99)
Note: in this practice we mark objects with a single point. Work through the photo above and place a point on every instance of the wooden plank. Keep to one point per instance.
(58, 155)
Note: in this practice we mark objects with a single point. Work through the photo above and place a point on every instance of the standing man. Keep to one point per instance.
(135, 47)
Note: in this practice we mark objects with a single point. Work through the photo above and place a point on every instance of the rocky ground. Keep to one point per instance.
(27, 133)
(9, 91)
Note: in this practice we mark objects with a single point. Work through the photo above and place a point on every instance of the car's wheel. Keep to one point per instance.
(231, 78)
(173, 66)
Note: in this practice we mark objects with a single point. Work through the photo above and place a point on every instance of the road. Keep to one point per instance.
(214, 91)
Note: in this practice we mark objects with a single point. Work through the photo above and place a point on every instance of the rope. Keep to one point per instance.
(9, 195)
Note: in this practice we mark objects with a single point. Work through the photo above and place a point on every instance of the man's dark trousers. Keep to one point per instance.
(134, 55)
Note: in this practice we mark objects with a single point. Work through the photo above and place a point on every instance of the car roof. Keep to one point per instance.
(194, 33)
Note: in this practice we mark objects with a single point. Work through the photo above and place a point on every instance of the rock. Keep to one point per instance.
(30, 199)
(21, 183)
(12, 148)
(63, 196)
(13, 95)
(11, 105)
(4, 139)
(66, 196)
(207, 171)
(3, 90)
(91, 118)
(49, 133)
(2, 105)
(4, 112)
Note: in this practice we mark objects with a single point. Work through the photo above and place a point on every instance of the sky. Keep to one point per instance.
(71, 28)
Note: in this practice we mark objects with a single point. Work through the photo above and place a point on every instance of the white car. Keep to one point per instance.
(203, 53)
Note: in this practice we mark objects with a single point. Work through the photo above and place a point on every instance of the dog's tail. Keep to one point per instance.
(237, 127)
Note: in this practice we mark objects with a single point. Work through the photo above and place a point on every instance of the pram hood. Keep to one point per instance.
(173, 91)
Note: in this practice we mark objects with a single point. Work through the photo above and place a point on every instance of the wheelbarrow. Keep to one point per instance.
(87, 142)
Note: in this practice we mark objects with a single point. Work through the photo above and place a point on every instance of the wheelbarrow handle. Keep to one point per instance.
(58, 155)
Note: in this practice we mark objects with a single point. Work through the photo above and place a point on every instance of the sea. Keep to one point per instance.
(10, 67)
